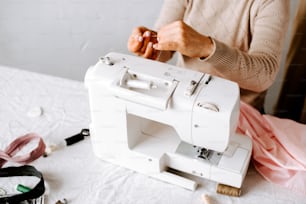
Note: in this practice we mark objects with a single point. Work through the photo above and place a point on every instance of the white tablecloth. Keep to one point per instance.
(75, 173)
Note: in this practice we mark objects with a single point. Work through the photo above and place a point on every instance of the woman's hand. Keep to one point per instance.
(141, 43)
(178, 36)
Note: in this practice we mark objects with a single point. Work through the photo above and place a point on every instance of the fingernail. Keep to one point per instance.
(150, 44)
(140, 38)
(155, 46)
(147, 34)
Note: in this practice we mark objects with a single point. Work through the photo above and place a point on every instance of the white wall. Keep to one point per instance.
(64, 37)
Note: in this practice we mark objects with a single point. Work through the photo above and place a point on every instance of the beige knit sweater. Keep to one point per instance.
(248, 37)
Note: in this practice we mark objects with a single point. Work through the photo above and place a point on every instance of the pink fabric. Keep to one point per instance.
(9, 153)
(279, 147)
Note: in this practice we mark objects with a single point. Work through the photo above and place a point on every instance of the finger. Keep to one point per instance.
(146, 39)
(149, 51)
(155, 54)
(154, 38)
(139, 32)
(134, 45)
(135, 41)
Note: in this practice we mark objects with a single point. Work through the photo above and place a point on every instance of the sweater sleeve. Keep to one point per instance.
(257, 68)
(172, 10)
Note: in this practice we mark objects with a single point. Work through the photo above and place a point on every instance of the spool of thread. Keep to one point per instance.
(228, 190)
(206, 199)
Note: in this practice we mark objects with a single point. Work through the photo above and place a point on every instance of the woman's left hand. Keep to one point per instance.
(178, 36)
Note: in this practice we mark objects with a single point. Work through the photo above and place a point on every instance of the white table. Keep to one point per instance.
(75, 173)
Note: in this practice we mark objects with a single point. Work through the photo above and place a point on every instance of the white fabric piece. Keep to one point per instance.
(35, 112)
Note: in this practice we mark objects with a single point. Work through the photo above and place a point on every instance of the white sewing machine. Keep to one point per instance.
(151, 117)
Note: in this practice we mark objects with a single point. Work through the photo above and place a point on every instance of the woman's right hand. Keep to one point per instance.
(141, 43)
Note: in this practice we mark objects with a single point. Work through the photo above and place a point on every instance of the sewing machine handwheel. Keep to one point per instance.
(228, 190)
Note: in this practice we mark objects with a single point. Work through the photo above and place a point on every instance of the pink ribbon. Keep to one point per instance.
(9, 153)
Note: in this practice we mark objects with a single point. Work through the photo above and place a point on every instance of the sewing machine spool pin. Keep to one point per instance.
(107, 61)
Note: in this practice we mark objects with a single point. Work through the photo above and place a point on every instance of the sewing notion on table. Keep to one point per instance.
(159, 119)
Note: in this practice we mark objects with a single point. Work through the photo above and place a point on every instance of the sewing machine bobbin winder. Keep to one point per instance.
(150, 117)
